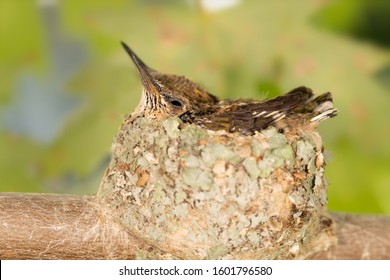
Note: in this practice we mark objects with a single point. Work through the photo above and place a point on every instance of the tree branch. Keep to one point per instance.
(359, 237)
(46, 226)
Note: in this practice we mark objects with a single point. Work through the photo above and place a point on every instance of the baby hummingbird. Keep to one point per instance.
(166, 95)
(209, 190)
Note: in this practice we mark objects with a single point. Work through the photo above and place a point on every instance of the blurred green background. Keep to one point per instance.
(66, 83)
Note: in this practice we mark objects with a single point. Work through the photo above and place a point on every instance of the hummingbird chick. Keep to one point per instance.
(166, 95)
(210, 191)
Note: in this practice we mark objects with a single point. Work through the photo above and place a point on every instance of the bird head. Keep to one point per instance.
(166, 95)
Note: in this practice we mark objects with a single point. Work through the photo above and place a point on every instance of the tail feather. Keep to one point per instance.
(322, 108)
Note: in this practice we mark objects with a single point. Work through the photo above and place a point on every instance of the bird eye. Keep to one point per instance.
(176, 103)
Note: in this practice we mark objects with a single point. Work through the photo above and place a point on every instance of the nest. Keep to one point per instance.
(199, 194)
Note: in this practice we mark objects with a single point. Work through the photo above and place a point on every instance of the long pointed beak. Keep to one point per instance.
(144, 71)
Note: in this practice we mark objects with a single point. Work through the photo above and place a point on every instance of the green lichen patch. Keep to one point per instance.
(251, 167)
(191, 160)
(214, 151)
(305, 151)
(257, 147)
(284, 153)
(217, 252)
(265, 167)
(171, 127)
(190, 136)
(197, 178)
(181, 210)
(275, 139)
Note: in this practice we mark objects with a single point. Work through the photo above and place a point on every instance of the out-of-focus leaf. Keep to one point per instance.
(383, 76)
(363, 19)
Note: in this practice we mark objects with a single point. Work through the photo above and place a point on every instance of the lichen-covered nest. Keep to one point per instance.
(199, 194)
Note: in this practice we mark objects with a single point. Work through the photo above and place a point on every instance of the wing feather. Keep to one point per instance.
(254, 116)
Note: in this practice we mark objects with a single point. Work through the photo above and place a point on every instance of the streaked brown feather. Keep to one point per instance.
(237, 116)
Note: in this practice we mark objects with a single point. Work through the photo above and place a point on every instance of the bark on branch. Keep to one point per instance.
(45, 226)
